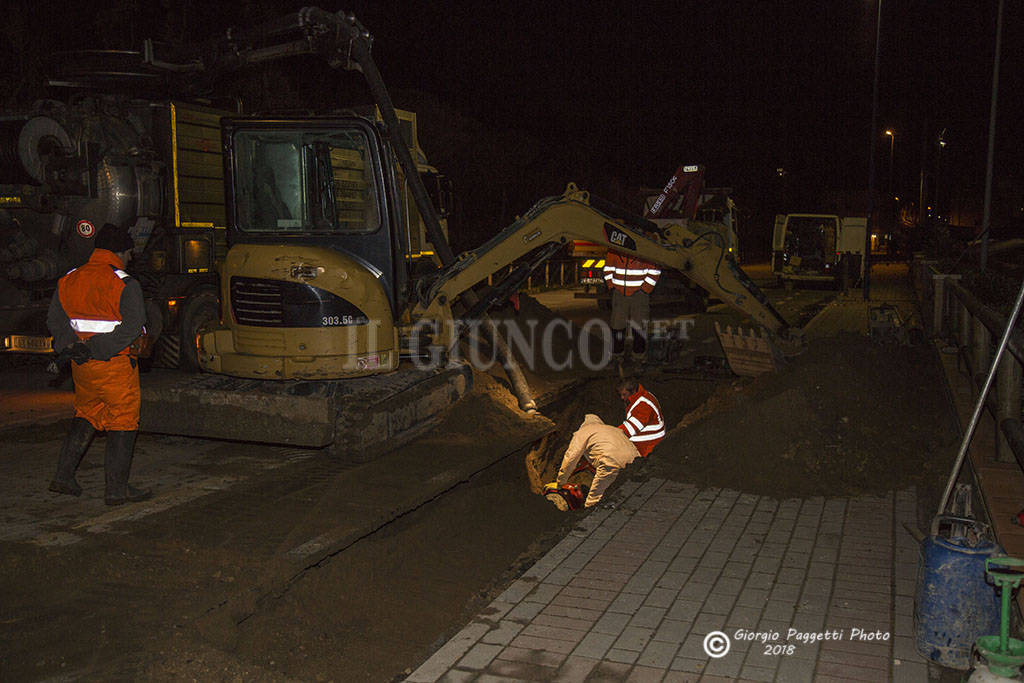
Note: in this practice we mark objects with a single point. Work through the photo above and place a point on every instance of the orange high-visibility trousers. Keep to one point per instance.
(107, 393)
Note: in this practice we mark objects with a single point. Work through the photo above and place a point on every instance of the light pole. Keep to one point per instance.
(938, 174)
(985, 225)
(871, 162)
(892, 146)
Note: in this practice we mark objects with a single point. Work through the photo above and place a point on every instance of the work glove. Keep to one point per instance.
(80, 353)
(551, 488)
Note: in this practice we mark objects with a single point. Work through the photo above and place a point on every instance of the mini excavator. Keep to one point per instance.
(317, 287)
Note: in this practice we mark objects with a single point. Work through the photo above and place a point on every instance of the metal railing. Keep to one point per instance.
(974, 328)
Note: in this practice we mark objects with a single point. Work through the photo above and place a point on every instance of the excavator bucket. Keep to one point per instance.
(749, 355)
(358, 418)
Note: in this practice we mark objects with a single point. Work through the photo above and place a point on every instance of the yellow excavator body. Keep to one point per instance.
(299, 312)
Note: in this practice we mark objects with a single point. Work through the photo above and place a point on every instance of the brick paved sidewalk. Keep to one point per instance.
(633, 591)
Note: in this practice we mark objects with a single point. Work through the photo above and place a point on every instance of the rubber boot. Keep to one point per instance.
(618, 343)
(117, 466)
(76, 443)
(639, 350)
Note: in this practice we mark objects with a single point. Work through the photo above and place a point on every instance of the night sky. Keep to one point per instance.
(615, 95)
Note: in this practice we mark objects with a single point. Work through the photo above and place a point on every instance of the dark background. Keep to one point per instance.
(516, 99)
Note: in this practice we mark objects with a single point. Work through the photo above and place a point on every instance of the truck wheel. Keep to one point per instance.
(199, 310)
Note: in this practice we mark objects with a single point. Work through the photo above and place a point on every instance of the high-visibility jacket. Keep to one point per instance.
(629, 274)
(100, 304)
(644, 424)
(91, 296)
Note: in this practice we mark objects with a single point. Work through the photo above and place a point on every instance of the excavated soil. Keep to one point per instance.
(845, 418)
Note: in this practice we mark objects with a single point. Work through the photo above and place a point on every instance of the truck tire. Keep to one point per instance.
(200, 309)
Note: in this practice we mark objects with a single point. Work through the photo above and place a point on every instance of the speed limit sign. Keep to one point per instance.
(85, 229)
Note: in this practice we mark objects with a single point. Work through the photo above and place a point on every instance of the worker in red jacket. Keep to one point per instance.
(98, 311)
(630, 281)
(644, 424)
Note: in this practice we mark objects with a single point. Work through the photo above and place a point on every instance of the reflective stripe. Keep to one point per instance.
(643, 399)
(629, 271)
(648, 437)
(645, 433)
(630, 429)
(96, 326)
(630, 274)
(633, 271)
(121, 274)
(638, 423)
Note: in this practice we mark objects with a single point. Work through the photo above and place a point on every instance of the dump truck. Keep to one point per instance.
(327, 335)
(818, 248)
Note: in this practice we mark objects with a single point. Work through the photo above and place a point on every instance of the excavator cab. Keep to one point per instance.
(315, 269)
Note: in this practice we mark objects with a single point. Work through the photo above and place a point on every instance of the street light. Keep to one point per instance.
(938, 173)
(892, 145)
(871, 161)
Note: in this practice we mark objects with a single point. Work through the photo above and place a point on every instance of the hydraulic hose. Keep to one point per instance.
(361, 55)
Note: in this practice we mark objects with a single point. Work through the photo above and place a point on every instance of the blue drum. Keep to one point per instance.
(954, 604)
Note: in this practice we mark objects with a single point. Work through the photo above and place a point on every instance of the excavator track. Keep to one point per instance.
(358, 418)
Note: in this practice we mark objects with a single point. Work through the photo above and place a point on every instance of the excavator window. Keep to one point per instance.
(292, 181)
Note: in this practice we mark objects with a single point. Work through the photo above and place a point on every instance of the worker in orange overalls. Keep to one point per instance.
(98, 311)
(644, 424)
(630, 281)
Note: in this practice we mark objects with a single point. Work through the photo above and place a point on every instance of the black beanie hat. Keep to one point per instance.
(114, 238)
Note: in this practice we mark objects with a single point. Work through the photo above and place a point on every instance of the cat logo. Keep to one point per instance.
(618, 237)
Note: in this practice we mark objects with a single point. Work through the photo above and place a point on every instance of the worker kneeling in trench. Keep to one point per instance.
(606, 447)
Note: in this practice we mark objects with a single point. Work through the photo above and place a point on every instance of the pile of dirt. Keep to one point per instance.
(844, 418)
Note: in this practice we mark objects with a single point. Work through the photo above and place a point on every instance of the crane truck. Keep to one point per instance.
(320, 312)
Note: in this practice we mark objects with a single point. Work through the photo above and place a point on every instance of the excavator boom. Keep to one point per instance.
(553, 221)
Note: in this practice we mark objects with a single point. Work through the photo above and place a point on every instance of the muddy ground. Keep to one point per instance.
(137, 601)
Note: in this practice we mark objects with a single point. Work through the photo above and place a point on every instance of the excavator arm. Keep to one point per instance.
(553, 221)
